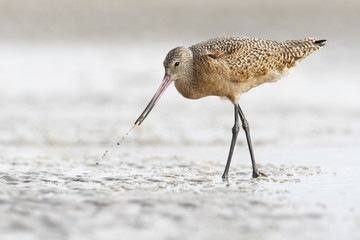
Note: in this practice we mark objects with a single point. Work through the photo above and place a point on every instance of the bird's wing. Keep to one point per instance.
(242, 56)
(252, 57)
(218, 46)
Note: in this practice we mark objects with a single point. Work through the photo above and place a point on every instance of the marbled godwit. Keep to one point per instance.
(228, 67)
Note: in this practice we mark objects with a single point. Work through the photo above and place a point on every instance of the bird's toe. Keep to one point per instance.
(257, 174)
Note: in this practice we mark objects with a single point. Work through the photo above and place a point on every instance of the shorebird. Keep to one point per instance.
(228, 67)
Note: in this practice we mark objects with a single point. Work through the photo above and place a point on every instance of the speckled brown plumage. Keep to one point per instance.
(229, 66)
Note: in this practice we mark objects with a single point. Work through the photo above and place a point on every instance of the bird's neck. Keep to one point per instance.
(187, 85)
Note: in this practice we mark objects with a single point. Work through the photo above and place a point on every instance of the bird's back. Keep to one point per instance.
(238, 64)
(244, 47)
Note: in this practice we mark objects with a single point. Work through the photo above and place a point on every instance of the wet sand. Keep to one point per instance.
(70, 193)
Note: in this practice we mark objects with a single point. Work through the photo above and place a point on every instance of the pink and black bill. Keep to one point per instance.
(165, 83)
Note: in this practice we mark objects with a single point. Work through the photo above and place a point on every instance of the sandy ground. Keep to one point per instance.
(73, 83)
(176, 196)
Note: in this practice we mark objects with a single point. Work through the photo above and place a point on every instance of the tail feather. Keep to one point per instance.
(303, 48)
(320, 43)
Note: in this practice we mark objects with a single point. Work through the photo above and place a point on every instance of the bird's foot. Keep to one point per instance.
(225, 177)
(257, 173)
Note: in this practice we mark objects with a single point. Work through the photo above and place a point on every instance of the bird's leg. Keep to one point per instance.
(245, 126)
(235, 131)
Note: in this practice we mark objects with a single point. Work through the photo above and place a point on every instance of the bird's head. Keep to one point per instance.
(178, 65)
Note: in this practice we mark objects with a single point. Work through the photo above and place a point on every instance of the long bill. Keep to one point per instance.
(165, 83)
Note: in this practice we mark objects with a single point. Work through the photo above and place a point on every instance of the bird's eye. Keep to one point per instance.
(177, 64)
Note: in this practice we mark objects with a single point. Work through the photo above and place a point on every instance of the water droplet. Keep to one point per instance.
(104, 155)
(126, 134)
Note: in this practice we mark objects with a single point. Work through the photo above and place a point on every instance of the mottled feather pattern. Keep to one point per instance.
(253, 51)
(230, 66)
